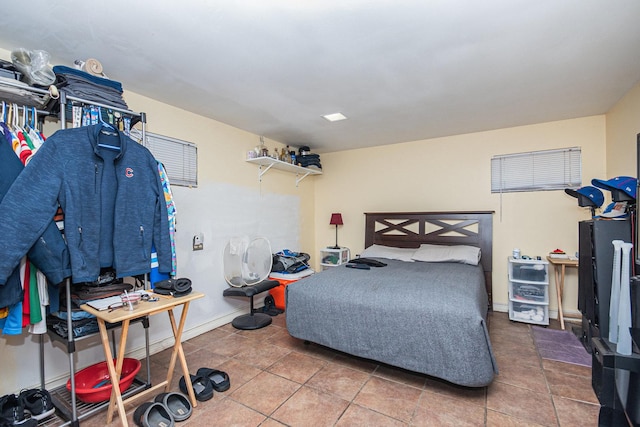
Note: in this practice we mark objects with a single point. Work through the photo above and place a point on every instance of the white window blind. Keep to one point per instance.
(180, 158)
(536, 170)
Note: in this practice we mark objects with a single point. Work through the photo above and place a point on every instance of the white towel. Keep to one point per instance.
(615, 291)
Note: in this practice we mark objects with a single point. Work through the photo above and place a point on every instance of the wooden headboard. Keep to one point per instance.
(410, 229)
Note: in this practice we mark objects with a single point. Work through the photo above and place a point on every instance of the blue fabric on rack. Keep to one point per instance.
(101, 81)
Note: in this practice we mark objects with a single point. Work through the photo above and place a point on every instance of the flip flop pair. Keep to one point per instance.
(164, 411)
(205, 381)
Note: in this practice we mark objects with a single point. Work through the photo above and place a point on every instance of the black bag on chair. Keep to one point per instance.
(174, 287)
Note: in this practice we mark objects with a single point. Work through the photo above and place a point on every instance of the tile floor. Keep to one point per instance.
(277, 380)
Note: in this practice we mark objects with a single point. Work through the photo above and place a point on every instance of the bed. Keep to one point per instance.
(424, 316)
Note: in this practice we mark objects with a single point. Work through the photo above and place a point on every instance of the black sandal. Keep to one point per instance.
(177, 403)
(202, 387)
(153, 414)
(219, 379)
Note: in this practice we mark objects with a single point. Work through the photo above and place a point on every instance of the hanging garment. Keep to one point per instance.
(12, 324)
(171, 212)
(113, 204)
(48, 253)
(40, 327)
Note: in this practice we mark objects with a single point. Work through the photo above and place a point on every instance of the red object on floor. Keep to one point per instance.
(93, 383)
(278, 292)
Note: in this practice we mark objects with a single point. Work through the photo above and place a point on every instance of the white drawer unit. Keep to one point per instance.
(333, 257)
(529, 291)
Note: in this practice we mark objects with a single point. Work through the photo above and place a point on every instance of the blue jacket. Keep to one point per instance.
(113, 203)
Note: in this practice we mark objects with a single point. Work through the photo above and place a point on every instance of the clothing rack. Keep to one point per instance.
(60, 396)
(91, 409)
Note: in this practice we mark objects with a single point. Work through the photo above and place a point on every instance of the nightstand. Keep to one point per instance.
(330, 257)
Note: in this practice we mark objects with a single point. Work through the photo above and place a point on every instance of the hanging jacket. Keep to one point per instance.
(48, 253)
(112, 200)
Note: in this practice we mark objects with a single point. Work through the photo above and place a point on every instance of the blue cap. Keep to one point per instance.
(626, 184)
(587, 196)
(615, 210)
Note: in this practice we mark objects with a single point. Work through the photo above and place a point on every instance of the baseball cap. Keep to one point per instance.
(626, 184)
(615, 210)
(587, 196)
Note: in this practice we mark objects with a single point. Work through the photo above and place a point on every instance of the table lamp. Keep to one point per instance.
(336, 219)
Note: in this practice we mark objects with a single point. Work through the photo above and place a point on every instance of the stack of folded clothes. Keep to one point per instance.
(81, 84)
(307, 159)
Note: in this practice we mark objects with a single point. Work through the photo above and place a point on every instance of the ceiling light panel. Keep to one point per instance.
(334, 117)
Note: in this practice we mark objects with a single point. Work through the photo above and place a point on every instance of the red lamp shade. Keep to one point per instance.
(336, 219)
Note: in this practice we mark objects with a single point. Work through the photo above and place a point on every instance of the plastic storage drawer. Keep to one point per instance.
(529, 271)
(529, 313)
(529, 292)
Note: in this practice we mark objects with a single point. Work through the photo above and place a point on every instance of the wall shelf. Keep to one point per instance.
(266, 163)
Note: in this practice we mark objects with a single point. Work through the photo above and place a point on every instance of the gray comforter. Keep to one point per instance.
(424, 317)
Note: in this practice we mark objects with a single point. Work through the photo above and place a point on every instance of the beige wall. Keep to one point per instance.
(623, 124)
(454, 173)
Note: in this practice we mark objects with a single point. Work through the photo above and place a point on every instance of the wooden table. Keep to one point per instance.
(143, 308)
(559, 266)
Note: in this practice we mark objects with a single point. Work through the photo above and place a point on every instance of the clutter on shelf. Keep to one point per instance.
(308, 159)
(558, 254)
(303, 157)
(34, 66)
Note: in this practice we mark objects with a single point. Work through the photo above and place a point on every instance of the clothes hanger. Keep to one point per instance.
(32, 129)
(107, 129)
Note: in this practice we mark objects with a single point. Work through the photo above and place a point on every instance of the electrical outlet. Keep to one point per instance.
(198, 242)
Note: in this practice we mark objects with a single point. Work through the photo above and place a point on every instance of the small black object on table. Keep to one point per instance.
(252, 320)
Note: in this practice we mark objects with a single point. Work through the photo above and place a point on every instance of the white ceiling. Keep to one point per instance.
(399, 70)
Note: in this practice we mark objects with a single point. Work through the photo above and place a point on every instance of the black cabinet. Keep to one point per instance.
(616, 381)
(595, 271)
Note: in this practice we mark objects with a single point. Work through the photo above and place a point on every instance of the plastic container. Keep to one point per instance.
(278, 293)
(93, 383)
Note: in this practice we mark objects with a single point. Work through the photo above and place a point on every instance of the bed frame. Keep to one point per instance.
(410, 229)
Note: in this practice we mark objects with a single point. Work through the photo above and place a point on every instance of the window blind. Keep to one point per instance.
(180, 158)
(536, 170)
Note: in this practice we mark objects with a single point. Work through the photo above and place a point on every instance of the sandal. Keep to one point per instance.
(202, 387)
(177, 403)
(153, 414)
(219, 379)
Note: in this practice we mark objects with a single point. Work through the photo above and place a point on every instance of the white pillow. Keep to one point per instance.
(389, 252)
(441, 253)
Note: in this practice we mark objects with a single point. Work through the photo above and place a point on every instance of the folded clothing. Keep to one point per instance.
(81, 84)
(307, 160)
(82, 293)
(174, 287)
(80, 327)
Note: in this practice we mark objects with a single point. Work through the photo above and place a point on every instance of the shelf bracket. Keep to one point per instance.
(303, 177)
(262, 172)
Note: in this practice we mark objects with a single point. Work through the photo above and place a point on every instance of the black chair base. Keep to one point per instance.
(252, 320)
